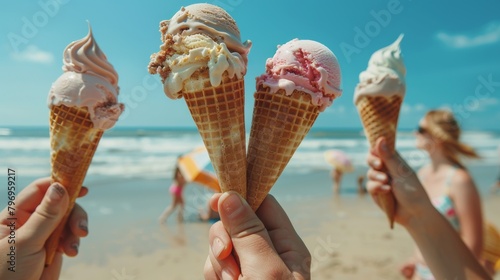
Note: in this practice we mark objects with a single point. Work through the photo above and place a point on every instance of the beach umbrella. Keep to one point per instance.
(339, 160)
(491, 245)
(193, 168)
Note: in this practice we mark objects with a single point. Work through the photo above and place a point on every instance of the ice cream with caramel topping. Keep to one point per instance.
(199, 36)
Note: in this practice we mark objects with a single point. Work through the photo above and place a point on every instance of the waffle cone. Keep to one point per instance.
(73, 141)
(219, 115)
(279, 125)
(379, 115)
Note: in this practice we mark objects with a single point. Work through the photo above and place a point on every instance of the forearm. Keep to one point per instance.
(444, 251)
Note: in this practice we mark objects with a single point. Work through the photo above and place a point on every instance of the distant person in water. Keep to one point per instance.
(337, 175)
(337, 179)
(361, 188)
(496, 186)
(176, 189)
(209, 215)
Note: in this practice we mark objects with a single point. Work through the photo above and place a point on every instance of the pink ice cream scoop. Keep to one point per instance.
(307, 66)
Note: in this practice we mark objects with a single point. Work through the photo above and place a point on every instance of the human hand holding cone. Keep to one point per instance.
(378, 98)
(301, 80)
(380, 116)
(83, 104)
(203, 60)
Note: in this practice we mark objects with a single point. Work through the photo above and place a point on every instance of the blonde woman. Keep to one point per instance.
(448, 184)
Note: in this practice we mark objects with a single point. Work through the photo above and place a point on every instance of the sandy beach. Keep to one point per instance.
(347, 235)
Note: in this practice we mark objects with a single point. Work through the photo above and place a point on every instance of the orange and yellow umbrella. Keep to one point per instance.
(193, 167)
(491, 246)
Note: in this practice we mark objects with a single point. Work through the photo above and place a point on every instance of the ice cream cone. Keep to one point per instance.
(379, 115)
(279, 125)
(218, 112)
(73, 140)
(203, 60)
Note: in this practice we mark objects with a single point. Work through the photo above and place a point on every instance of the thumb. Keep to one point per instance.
(250, 238)
(394, 163)
(47, 216)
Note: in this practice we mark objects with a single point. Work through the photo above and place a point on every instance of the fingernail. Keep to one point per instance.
(377, 163)
(56, 192)
(75, 247)
(217, 247)
(83, 225)
(232, 205)
(380, 177)
(386, 187)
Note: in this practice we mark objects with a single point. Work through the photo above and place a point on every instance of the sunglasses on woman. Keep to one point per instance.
(421, 130)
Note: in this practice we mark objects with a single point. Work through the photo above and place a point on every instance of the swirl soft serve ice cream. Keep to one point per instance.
(378, 97)
(89, 81)
(83, 103)
(301, 80)
(385, 75)
(203, 60)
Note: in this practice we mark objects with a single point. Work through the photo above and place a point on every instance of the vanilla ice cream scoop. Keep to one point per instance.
(199, 36)
(89, 80)
(307, 66)
(211, 21)
(385, 75)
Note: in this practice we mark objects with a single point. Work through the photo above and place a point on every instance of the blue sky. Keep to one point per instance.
(451, 51)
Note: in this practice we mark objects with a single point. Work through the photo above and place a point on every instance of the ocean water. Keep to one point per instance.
(150, 153)
(132, 168)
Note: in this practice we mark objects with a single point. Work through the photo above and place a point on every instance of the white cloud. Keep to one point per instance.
(33, 54)
(489, 34)
(484, 103)
(489, 101)
(409, 109)
(472, 105)
(336, 109)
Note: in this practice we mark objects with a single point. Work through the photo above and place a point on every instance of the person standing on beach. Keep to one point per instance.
(443, 248)
(448, 184)
(265, 245)
(209, 215)
(175, 190)
(336, 178)
(496, 186)
(361, 187)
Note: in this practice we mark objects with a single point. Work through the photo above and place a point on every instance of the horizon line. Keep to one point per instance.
(324, 128)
